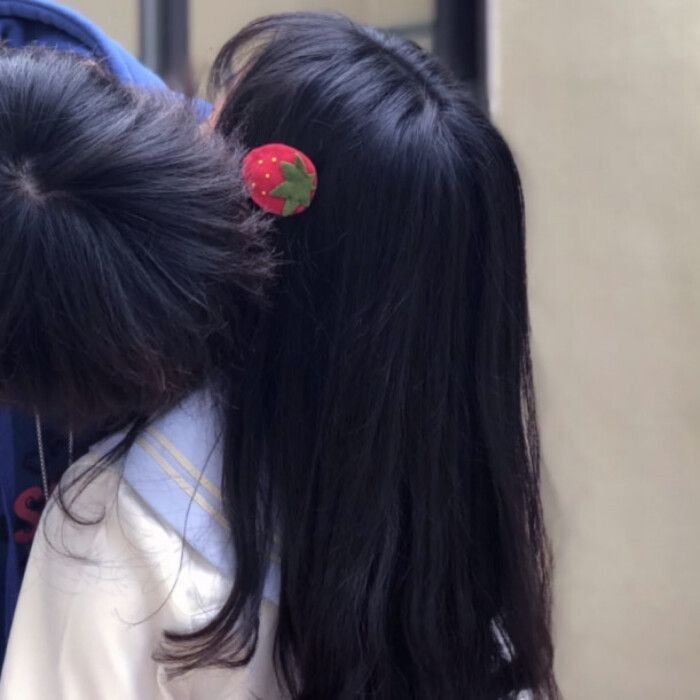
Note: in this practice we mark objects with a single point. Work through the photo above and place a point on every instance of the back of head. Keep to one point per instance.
(126, 250)
(386, 421)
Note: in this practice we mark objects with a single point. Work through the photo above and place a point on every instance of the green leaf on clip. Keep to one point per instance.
(297, 188)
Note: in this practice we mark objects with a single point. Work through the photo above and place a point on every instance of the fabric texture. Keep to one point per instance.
(96, 599)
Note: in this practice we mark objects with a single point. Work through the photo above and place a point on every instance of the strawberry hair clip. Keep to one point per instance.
(280, 179)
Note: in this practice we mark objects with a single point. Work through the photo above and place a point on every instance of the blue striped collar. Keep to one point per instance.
(175, 466)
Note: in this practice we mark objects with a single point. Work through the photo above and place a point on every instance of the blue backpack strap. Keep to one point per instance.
(11, 577)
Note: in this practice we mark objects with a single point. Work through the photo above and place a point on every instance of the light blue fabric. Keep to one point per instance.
(24, 22)
(175, 466)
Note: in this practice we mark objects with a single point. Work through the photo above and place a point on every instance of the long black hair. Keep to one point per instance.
(128, 251)
(384, 423)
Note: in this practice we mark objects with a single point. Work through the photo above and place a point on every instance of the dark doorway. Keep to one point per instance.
(164, 40)
(460, 40)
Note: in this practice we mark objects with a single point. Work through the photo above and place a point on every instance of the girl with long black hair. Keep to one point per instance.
(385, 423)
(363, 516)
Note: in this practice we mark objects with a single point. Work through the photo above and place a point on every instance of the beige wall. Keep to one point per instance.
(212, 22)
(119, 18)
(601, 101)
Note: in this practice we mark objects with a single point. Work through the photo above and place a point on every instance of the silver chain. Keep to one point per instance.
(42, 454)
(70, 447)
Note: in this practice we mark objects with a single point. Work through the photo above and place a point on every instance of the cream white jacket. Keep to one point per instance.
(96, 599)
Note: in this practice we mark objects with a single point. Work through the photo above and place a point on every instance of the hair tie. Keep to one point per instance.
(280, 179)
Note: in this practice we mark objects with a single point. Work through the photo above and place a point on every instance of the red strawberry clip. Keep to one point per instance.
(280, 179)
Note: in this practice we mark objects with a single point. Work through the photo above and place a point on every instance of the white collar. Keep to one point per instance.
(175, 466)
